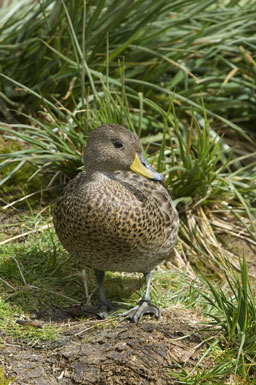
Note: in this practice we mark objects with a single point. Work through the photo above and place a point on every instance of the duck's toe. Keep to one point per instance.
(102, 310)
(144, 306)
(105, 308)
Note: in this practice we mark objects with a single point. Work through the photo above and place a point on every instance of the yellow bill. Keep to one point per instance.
(142, 167)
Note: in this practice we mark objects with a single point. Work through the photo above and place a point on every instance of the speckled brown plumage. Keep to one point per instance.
(110, 217)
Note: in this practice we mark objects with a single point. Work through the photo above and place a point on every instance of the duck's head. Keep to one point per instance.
(114, 148)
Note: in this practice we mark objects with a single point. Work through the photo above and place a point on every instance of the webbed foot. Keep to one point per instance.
(144, 306)
(102, 310)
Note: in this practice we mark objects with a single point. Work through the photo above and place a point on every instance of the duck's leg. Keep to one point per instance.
(105, 304)
(144, 306)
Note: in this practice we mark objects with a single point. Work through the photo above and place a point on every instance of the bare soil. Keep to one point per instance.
(107, 352)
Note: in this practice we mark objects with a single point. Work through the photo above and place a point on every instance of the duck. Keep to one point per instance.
(117, 215)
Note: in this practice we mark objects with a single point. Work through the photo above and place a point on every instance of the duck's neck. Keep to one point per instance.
(97, 175)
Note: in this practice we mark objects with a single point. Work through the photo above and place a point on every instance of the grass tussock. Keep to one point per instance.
(231, 319)
(182, 49)
(235, 312)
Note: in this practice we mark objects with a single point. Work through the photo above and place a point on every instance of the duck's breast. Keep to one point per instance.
(118, 222)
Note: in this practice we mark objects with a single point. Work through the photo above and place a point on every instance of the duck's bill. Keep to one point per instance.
(142, 167)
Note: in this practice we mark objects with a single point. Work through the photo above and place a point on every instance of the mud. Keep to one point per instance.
(108, 352)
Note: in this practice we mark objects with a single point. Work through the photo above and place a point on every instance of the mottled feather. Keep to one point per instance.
(112, 218)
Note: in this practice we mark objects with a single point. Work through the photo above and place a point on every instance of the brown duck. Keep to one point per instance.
(117, 215)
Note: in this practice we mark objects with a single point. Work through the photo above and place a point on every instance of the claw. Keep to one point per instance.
(144, 306)
(102, 311)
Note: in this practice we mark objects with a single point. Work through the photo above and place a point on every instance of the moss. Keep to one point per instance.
(3, 379)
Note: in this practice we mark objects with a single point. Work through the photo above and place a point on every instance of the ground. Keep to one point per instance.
(107, 352)
(113, 351)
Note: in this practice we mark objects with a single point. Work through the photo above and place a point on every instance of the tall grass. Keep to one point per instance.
(234, 310)
(182, 49)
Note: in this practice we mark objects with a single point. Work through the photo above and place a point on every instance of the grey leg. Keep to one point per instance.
(105, 304)
(148, 277)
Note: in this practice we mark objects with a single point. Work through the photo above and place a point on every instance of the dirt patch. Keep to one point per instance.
(108, 352)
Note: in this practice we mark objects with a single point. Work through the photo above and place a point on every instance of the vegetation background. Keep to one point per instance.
(180, 74)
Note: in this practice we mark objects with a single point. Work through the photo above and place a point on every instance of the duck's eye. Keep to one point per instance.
(118, 144)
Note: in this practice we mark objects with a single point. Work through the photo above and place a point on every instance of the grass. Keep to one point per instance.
(21, 264)
(230, 311)
(236, 315)
(182, 76)
(203, 377)
(30, 334)
(188, 47)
